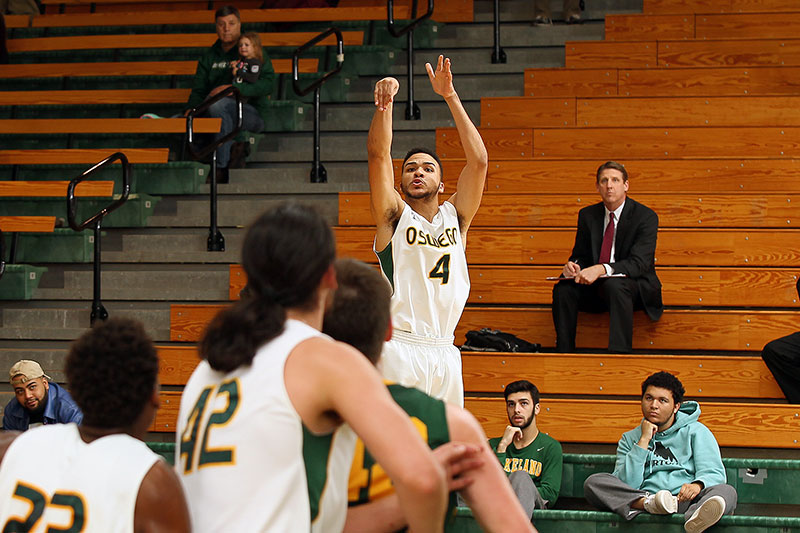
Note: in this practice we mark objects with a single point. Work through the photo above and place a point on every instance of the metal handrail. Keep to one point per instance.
(412, 109)
(411, 25)
(498, 54)
(202, 108)
(2, 254)
(216, 241)
(98, 311)
(318, 172)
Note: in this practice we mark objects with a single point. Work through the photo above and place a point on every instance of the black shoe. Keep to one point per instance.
(239, 153)
(222, 175)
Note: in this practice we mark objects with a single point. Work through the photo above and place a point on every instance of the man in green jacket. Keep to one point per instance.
(215, 74)
(532, 459)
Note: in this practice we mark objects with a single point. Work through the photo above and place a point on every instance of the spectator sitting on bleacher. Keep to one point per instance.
(669, 464)
(37, 400)
(782, 357)
(247, 68)
(532, 459)
(214, 74)
(612, 265)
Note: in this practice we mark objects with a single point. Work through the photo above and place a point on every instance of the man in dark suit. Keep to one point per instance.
(782, 357)
(615, 237)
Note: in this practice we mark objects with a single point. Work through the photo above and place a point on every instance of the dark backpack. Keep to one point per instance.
(494, 340)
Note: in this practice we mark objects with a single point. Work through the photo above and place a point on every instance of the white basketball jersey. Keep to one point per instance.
(51, 478)
(427, 267)
(243, 455)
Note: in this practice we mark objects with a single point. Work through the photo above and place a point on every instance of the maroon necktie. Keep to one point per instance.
(608, 240)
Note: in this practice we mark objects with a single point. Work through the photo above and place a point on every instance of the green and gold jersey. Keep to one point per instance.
(368, 481)
(542, 459)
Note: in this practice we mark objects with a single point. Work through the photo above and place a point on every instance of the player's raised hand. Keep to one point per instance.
(385, 90)
(442, 78)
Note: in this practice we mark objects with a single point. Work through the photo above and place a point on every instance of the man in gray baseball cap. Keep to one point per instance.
(38, 401)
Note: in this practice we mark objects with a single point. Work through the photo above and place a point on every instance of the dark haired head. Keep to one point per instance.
(360, 312)
(224, 11)
(112, 371)
(522, 385)
(285, 253)
(665, 380)
(614, 166)
(425, 151)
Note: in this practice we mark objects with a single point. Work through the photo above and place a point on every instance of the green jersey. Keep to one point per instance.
(542, 459)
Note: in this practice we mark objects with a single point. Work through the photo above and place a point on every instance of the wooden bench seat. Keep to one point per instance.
(717, 6)
(106, 125)
(80, 156)
(628, 143)
(743, 425)
(176, 364)
(638, 112)
(128, 68)
(551, 246)
(703, 376)
(678, 329)
(674, 210)
(611, 54)
(27, 223)
(682, 286)
(166, 40)
(54, 189)
(700, 176)
(249, 16)
(703, 26)
(665, 81)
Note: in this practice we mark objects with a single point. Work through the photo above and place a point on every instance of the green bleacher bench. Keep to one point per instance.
(19, 281)
(132, 214)
(561, 521)
(63, 245)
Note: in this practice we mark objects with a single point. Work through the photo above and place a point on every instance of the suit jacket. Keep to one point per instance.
(634, 248)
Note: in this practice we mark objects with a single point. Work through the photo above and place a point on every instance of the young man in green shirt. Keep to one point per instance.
(532, 459)
(215, 74)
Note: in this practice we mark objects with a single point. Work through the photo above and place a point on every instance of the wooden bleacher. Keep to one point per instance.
(54, 189)
(702, 26)
(106, 125)
(27, 223)
(717, 6)
(665, 81)
(166, 40)
(122, 68)
(80, 156)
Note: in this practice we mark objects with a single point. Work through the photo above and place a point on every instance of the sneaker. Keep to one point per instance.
(541, 20)
(706, 515)
(575, 18)
(662, 502)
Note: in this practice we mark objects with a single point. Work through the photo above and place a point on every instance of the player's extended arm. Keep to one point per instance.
(385, 202)
(469, 189)
(323, 376)
(490, 496)
(161, 504)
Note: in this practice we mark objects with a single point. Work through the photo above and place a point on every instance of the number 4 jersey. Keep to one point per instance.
(51, 480)
(244, 457)
(427, 267)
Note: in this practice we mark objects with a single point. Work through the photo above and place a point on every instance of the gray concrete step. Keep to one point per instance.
(467, 61)
(232, 209)
(517, 34)
(294, 178)
(138, 281)
(522, 10)
(69, 319)
(334, 146)
(169, 245)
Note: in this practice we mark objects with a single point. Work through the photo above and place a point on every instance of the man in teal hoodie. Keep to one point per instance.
(669, 464)
(215, 73)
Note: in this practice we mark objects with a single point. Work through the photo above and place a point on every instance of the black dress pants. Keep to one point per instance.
(618, 296)
(782, 357)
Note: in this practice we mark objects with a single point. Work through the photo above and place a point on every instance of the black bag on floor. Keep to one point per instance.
(494, 340)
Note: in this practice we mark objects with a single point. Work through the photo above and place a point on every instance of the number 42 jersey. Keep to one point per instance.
(51, 480)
